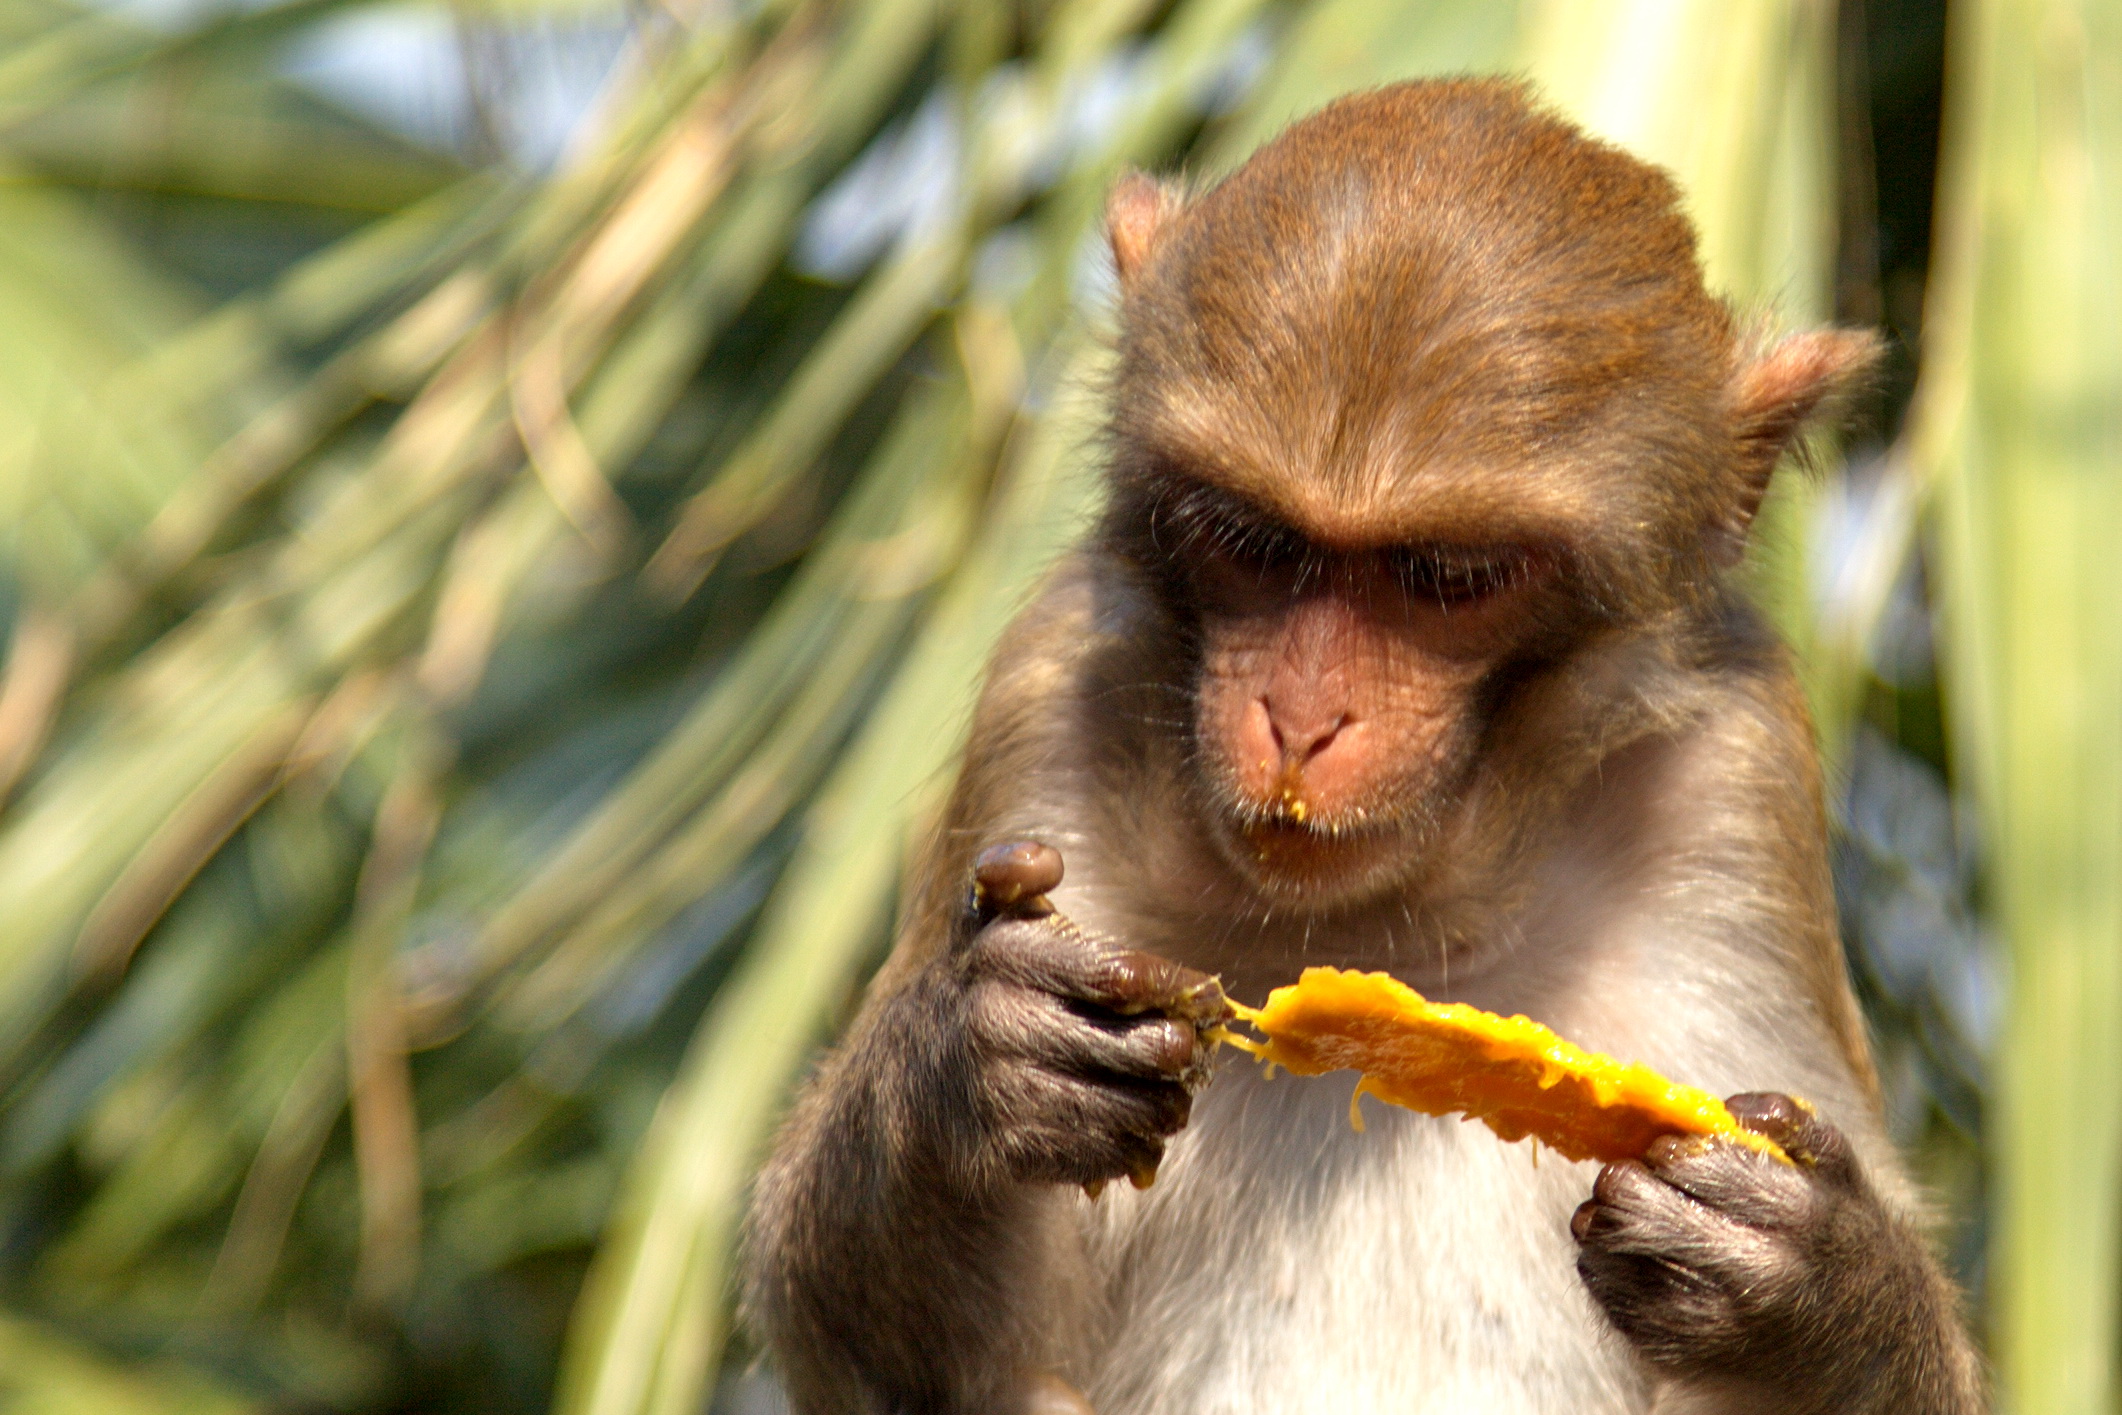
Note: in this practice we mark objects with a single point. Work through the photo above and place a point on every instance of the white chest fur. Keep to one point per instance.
(1284, 1263)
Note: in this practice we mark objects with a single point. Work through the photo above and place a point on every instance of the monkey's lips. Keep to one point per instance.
(1308, 854)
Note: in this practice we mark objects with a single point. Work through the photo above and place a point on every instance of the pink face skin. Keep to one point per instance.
(1338, 697)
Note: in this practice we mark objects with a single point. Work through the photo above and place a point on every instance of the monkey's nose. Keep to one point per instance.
(1299, 737)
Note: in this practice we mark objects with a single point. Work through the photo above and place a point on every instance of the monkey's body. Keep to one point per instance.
(1406, 641)
(1283, 1262)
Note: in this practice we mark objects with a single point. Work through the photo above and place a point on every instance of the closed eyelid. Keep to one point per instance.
(1198, 518)
(1459, 573)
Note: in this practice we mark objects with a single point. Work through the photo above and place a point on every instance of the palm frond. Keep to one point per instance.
(2017, 432)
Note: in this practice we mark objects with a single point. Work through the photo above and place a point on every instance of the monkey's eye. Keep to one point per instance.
(1459, 575)
(1258, 546)
(1198, 525)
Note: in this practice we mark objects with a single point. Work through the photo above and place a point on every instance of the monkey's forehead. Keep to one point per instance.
(1430, 180)
(1436, 306)
(1417, 326)
(1376, 500)
(1431, 262)
(1433, 445)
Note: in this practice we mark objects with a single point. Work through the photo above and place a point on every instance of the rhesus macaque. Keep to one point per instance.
(1407, 641)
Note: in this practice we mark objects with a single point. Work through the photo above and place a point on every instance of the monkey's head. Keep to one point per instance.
(1422, 399)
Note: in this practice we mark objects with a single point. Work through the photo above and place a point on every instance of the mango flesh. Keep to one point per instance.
(1512, 1074)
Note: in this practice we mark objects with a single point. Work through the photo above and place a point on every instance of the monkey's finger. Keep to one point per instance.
(1739, 1182)
(1131, 982)
(1061, 1129)
(1149, 1049)
(1038, 1026)
(1055, 957)
(1114, 1108)
(1015, 872)
(1090, 1162)
(1665, 1308)
(1798, 1128)
(1636, 1212)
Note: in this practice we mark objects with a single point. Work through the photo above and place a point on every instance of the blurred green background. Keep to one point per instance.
(504, 503)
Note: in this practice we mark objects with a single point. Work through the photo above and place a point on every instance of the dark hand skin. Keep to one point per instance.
(1084, 1056)
(1780, 1287)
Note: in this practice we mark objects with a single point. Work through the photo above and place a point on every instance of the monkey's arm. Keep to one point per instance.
(882, 1275)
(898, 1243)
(1763, 1286)
(1756, 1285)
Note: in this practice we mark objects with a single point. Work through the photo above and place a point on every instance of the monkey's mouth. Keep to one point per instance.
(1294, 848)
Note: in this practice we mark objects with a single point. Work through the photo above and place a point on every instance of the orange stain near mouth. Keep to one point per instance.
(1512, 1074)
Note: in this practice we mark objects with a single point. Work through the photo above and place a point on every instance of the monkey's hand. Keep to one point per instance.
(1083, 1055)
(1779, 1286)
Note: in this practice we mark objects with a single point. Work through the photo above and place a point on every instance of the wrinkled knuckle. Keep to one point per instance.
(995, 949)
(1831, 1155)
(1778, 1274)
(1023, 1088)
(1001, 1020)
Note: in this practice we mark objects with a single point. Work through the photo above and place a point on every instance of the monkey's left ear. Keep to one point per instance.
(1135, 217)
(1773, 395)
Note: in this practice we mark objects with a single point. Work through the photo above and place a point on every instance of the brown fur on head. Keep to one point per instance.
(1411, 402)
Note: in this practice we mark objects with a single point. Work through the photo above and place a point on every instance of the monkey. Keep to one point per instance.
(1409, 636)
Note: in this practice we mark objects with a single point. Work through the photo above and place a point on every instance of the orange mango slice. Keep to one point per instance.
(1510, 1073)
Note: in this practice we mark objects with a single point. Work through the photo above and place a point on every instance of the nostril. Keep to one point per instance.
(1325, 739)
(1296, 743)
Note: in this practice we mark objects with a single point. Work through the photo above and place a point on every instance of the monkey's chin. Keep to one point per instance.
(1319, 864)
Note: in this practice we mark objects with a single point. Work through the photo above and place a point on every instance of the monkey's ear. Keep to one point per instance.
(1135, 216)
(1773, 395)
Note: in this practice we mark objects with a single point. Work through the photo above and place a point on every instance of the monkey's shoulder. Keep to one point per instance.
(1080, 670)
(1089, 605)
